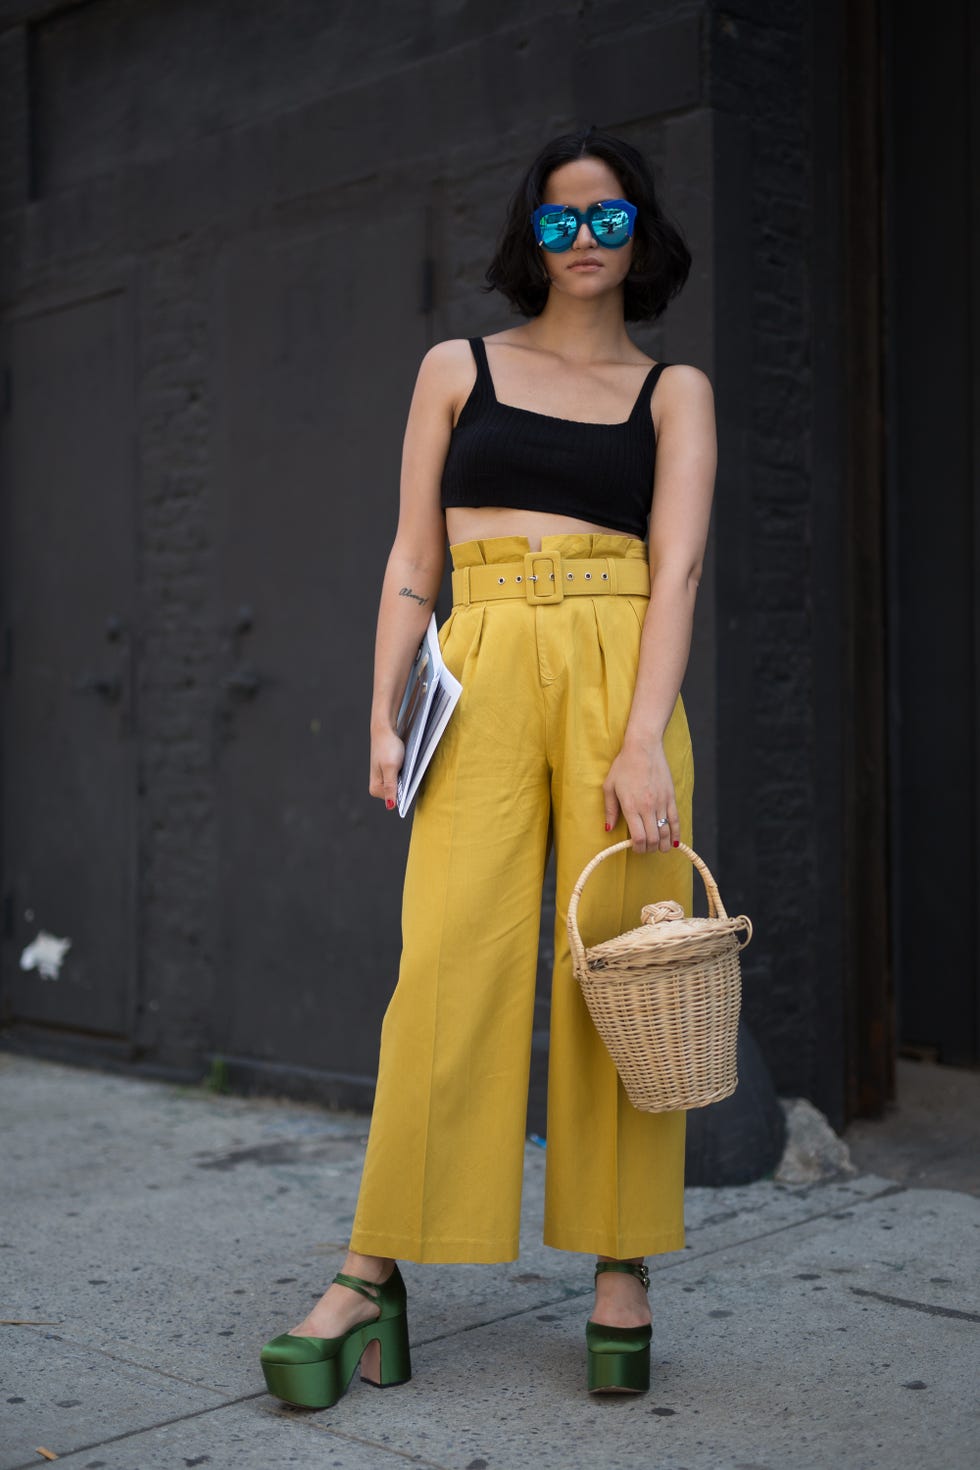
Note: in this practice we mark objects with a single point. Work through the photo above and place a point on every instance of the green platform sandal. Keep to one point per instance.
(619, 1357)
(315, 1372)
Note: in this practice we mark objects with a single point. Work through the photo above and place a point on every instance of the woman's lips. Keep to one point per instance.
(585, 265)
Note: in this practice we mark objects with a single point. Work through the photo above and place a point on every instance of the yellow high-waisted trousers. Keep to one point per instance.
(546, 695)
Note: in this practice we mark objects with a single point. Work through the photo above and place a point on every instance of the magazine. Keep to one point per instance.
(429, 699)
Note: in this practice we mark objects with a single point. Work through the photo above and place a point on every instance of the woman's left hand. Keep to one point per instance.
(639, 785)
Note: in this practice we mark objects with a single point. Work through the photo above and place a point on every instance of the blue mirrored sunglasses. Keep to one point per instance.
(610, 221)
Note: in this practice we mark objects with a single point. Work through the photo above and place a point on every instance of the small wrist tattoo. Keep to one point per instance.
(407, 592)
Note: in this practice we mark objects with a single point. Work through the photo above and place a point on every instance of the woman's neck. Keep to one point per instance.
(582, 331)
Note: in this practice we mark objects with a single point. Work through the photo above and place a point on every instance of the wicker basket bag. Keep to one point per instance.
(665, 998)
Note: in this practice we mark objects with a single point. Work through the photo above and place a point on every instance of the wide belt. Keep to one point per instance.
(544, 577)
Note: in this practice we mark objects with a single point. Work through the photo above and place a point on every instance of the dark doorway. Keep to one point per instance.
(69, 545)
(319, 335)
(932, 341)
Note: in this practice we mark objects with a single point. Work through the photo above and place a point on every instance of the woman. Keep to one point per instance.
(541, 451)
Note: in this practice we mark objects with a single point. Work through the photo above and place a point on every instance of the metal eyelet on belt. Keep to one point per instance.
(501, 579)
(571, 576)
(588, 576)
(605, 576)
(518, 579)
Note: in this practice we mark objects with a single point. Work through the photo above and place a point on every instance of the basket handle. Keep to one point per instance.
(716, 909)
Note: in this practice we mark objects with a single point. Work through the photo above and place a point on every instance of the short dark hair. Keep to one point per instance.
(661, 259)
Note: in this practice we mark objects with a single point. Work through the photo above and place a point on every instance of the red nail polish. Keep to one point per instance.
(389, 804)
(608, 828)
(676, 844)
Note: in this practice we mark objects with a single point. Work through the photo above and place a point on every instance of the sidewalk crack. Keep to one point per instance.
(905, 1301)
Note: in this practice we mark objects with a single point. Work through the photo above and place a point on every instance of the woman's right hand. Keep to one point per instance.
(387, 755)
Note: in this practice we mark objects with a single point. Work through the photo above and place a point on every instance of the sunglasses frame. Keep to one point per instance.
(584, 217)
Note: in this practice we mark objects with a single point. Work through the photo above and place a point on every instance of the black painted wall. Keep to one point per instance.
(186, 155)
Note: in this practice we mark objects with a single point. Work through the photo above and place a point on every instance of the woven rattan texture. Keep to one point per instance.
(665, 997)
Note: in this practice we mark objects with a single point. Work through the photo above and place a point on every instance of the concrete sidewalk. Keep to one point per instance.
(157, 1235)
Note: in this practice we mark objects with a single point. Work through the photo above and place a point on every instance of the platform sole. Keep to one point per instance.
(310, 1385)
(619, 1372)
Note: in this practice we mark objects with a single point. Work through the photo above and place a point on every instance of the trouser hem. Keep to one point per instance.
(600, 1243)
(435, 1252)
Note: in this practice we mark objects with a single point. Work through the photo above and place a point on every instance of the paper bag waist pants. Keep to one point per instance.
(547, 690)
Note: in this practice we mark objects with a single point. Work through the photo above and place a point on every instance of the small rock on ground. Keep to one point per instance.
(813, 1151)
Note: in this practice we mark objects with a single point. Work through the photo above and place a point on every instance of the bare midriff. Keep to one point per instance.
(478, 523)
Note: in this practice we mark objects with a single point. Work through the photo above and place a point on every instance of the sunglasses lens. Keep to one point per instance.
(611, 225)
(557, 231)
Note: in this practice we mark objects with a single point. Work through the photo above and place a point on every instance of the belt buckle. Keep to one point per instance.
(542, 577)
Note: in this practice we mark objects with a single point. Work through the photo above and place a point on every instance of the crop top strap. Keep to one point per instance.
(483, 391)
(646, 392)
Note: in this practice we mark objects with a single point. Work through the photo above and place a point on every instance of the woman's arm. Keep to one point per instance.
(416, 560)
(639, 782)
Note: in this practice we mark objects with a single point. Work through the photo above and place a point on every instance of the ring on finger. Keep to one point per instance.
(662, 821)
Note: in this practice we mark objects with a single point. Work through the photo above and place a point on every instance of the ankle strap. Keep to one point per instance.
(369, 1289)
(641, 1272)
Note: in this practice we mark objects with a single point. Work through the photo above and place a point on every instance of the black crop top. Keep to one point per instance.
(502, 455)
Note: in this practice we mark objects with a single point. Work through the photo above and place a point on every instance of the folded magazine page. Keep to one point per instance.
(430, 697)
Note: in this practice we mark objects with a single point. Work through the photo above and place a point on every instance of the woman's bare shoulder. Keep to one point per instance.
(683, 378)
(682, 392)
(448, 356)
(448, 369)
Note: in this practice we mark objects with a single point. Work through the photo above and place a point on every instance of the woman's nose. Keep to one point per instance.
(589, 237)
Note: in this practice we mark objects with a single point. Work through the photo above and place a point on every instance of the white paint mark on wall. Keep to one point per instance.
(45, 955)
